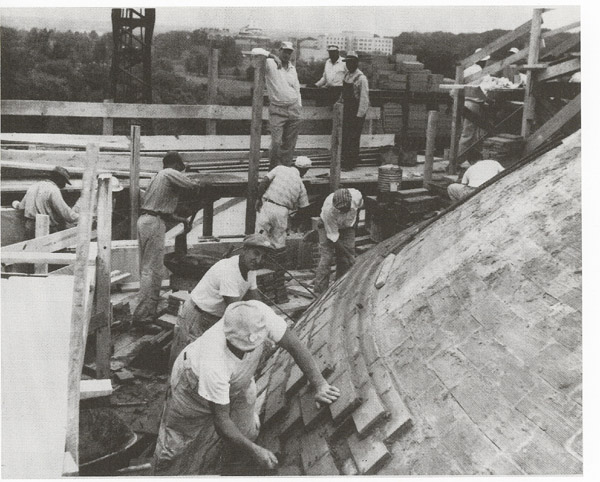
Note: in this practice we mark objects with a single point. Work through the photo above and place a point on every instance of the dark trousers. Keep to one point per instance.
(351, 130)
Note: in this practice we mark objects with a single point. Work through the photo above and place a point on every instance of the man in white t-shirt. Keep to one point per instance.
(336, 234)
(475, 176)
(212, 394)
(228, 280)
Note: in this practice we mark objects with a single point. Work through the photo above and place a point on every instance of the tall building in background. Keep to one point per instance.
(359, 41)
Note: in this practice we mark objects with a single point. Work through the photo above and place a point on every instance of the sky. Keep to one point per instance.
(385, 18)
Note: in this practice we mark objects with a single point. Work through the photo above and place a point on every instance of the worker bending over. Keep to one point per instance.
(45, 197)
(228, 280)
(158, 206)
(474, 176)
(211, 399)
(280, 192)
(336, 234)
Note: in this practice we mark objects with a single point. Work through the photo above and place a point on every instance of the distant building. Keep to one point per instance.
(309, 49)
(359, 41)
(251, 37)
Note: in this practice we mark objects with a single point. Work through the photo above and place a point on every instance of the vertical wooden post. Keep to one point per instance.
(457, 106)
(213, 81)
(81, 303)
(255, 135)
(107, 122)
(134, 180)
(527, 127)
(432, 121)
(208, 216)
(336, 147)
(42, 228)
(103, 269)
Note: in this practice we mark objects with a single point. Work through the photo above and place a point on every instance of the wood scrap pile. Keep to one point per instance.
(504, 148)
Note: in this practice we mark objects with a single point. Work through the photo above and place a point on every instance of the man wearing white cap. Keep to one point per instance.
(227, 281)
(285, 103)
(333, 74)
(280, 192)
(474, 102)
(211, 399)
(336, 234)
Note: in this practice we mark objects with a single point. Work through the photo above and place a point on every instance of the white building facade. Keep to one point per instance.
(359, 41)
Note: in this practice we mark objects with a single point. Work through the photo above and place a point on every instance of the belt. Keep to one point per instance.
(155, 213)
(276, 204)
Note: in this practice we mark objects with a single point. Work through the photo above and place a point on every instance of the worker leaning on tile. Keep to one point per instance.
(211, 400)
(159, 204)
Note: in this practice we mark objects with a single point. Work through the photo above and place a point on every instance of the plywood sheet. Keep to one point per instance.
(36, 317)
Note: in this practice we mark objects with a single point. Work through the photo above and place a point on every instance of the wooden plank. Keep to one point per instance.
(212, 90)
(369, 454)
(35, 353)
(562, 29)
(554, 125)
(134, 181)
(12, 257)
(42, 228)
(336, 147)
(457, 107)
(52, 242)
(562, 47)
(384, 271)
(534, 54)
(498, 44)
(184, 143)
(107, 122)
(255, 143)
(558, 70)
(432, 122)
(80, 311)
(109, 110)
(103, 277)
(95, 388)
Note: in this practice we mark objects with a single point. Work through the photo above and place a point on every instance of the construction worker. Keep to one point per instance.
(280, 192)
(228, 280)
(333, 74)
(44, 197)
(474, 176)
(211, 400)
(285, 103)
(336, 234)
(158, 206)
(355, 97)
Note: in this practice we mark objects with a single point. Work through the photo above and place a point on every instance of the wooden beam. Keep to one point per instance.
(558, 70)
(33, 257)
(82, 303)
(336, 147)
(109, 110)
(107, 122)
(562, 29)
(455, 130)
(42, 228)
(432, 122)
(52, 242)
(534, 53)
(182, 143)
(102, 303)
(134, 181)
(255, 141)
(497, 44)
(562, 47)
(568, 112)
(95, 388)
(208, 217)
(213, 80)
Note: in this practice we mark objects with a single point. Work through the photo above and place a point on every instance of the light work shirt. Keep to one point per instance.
(286, 188)
(162, 194)
(283, 86)
(361, 90)
(44, 197)
(480, 172)
(334, 220)
(222, 375)
(224, 278)
(333, 74)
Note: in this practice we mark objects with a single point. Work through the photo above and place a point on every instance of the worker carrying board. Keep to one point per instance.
(211, 399)
(227, 281)
(158, 206)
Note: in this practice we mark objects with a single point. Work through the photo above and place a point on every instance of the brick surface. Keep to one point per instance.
(370, 350)
(292, 417)
(370, 412)
(369, 454)
(311, 415)
(324, 466)
(275, 404)
(324, 360)
(294, 381)
(348, 401)
(269, 439)
(534, 458)
(313, 447)
(399, 416)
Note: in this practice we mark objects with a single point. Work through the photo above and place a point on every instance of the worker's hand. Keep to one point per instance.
(277, 61)
(258, 205)
(16, 204)
(326, 393)
(265, 457)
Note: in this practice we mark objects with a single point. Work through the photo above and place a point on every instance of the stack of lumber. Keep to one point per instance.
(417, 119)
(504, 148)
(399, 72)
(175, 301)
(272, 285)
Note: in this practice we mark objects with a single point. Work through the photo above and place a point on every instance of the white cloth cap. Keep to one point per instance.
(302, 162)
(244, 324)
(115, 185)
